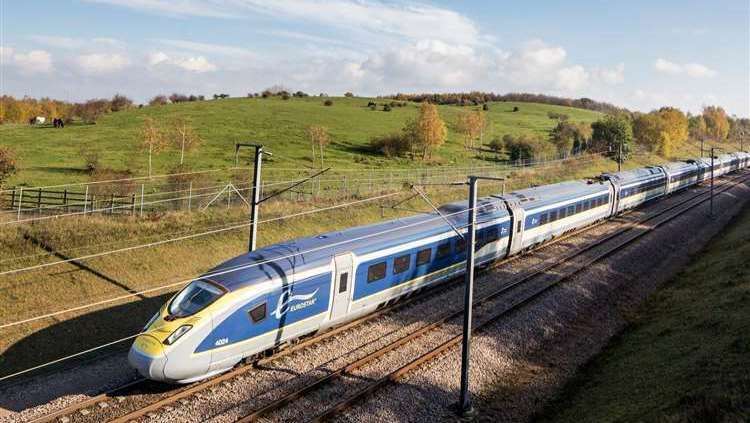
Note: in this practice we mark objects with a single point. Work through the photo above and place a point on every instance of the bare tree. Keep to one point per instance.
(318, 136)
(184, 137)
(152, 140)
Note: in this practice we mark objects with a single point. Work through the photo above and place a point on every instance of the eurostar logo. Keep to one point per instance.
(289, 303)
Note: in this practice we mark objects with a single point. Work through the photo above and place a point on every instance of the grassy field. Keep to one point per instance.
(52, 156)
(686, 355)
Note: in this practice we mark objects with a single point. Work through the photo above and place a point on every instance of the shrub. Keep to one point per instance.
(485, 107)
(92, 110)
(396, 144)
(266, 94)
(285, 96)
(371, 104)
(7, 164)
(301, 94)
(178, 98)
(90, 160)
(386, 107)
(516, 109)
(527, 147)
(348, 94)
(120, 102)
(158, 100)
(328, 103)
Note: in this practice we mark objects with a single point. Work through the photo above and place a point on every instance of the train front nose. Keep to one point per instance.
(148, 358)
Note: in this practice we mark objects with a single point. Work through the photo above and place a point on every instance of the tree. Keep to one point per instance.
(184, 137)
(430, 131)
(610, 134)
(496, 145)
(120, 102)
(717, 124)
(526, 147)
(472, 125)
(152, 140)
(158, 100)
(7, 164)
(318, 136)
(348, 94)
(661, 130)
(570, 137)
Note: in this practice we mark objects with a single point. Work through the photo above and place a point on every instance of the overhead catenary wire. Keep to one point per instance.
(185, 237)
(235, 268)
(214, 274)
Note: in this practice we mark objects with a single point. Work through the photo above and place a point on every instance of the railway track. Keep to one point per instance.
(88, 409)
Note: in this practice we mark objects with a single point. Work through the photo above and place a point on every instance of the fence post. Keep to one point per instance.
(190, 194)
(20, 201)
(13, 199)
(85, 200)
(65, 200)
(39, 201)
(141, 211)
(132, 204)
(111, 203)
(229, 195)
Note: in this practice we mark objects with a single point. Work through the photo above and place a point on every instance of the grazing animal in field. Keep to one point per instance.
(58, 123)
(37, 120)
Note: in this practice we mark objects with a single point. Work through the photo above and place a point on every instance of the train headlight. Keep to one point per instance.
(177, 334)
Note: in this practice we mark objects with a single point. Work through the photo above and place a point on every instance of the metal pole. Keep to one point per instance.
(255, 198)
(85, 200)
(711, 213)
(464, 404)
(702, 148)
(619, 158)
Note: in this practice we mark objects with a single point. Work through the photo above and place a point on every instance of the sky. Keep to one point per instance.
(639, 54)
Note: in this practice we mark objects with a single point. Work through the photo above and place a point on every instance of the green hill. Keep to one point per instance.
(50, 156)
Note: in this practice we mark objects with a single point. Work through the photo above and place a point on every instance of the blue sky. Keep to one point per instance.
(638, 54)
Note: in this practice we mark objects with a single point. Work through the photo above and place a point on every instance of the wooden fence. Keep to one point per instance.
(46, 201)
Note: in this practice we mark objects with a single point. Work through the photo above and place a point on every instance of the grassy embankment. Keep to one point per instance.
(51, 156)
(686, 354)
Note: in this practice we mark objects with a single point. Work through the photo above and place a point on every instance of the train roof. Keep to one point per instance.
(634, 175)
(530, 198)
(673, 167)
(284, 259)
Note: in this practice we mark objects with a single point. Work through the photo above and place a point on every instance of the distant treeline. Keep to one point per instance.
(477, 97)
(22, 110)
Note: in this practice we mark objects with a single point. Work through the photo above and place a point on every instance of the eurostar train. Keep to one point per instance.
(259, 301)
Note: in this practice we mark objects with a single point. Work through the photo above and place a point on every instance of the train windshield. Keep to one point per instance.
(194, 298)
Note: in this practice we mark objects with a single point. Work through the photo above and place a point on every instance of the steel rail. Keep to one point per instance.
(641, 231)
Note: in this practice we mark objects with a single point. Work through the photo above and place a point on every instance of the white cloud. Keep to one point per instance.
(69, 43)
(198, 64)
(536, 55)
(6, 54)
(231, 51)
(35, 61)
(613, 76)
(572, 79)
(695, 70)
(412, 21)
(97, 63)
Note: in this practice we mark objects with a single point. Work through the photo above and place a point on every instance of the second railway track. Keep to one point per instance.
(359, 367)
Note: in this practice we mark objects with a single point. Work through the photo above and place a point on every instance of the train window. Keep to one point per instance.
(579, 208)
(553, 215)
(461, 245)
(194, 298)
(543, 219)
(443, 250)
(562, 213)
(258, 313)
(376, 272)
(571, 210)
(491, 235)
(401, 264)
(424, 256)
(343, 280)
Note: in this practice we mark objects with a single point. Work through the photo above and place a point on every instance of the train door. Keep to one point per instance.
(342, 285)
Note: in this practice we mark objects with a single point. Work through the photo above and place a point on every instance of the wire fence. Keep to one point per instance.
(198, 191)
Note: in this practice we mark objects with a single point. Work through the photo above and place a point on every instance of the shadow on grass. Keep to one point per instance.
(70, 337)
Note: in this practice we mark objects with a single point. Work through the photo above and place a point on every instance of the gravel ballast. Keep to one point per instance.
(526, 355)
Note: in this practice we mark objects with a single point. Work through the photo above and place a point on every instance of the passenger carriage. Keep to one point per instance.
(261, 300)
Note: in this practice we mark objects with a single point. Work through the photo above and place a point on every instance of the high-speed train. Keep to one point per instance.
(261, 300)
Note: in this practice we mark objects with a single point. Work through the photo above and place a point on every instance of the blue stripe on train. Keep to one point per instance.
(284, 306)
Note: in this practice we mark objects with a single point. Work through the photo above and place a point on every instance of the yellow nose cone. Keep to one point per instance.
(147, 344)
